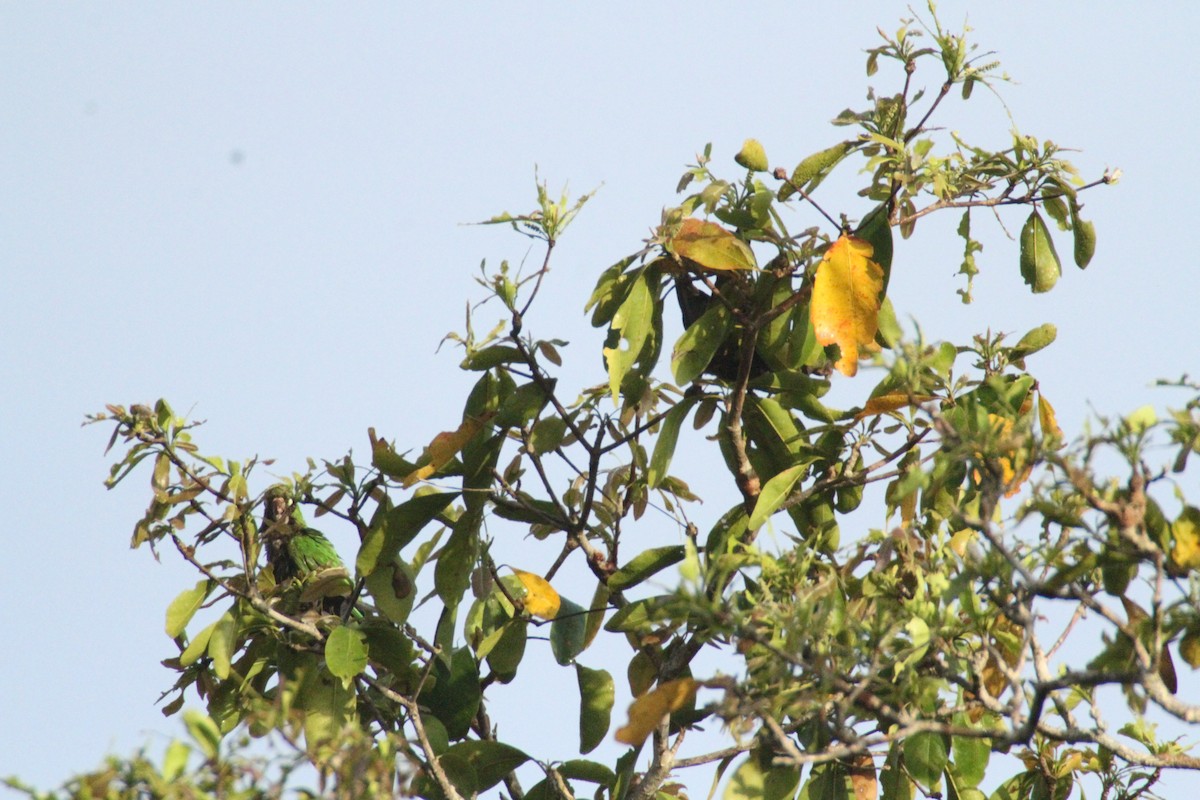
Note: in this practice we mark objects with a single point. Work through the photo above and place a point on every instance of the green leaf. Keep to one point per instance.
(394, 589)
(175, 760)
(633, 322)
(222, 643)
(809, 173)
(664, 446)
(756, 780)
(925, 756)
(699, 343)
(752, 156)
(455, 695)
(568, 632)
(197, 646)
(547, 434)
(643, 565)
(596, 695)
(399, 527)
(492, 356)
(345, 653)
(893, 778)
(1037, 339)
(506, 654)
(490, 760)
(774, 493)
(328, 706)
(1040, 266)
(971, 757)
(876, 230)
(204, 732)
(183, 607)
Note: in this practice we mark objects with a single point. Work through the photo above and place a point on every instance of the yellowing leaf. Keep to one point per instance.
(648, 710)
(540, 598)
(1048, 419)
(711, 246)
(1185, 553)
(845, 300)
(444, 447)
(892, 401)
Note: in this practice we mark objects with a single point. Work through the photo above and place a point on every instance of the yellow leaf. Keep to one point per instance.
(540, 598)
(845, 300)
(711, 246)
(1185, 553)
(444, 447)
(648, 710)
(892, 401)
(1048, 419)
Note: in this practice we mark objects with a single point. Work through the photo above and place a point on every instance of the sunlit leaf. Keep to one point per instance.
(540, 598)
(845, 300)
(180, 612)
(646, 712)
(711, 246)
(633, 322)
(752, 156)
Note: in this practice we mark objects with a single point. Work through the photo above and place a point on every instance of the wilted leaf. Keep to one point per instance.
(845, 300)
(646, 712)
(711, 246)
(862, 778)
(445, 446)
(892, 401)
(1048, 419)
(540, 598)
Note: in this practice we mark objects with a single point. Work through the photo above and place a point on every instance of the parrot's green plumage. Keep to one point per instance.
(296, 551)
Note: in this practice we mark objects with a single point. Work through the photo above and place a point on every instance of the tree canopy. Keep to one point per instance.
(1019, 591)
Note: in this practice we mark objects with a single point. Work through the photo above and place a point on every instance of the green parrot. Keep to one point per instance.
(296, 551)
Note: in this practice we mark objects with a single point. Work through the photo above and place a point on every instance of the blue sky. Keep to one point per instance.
(255, 210)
